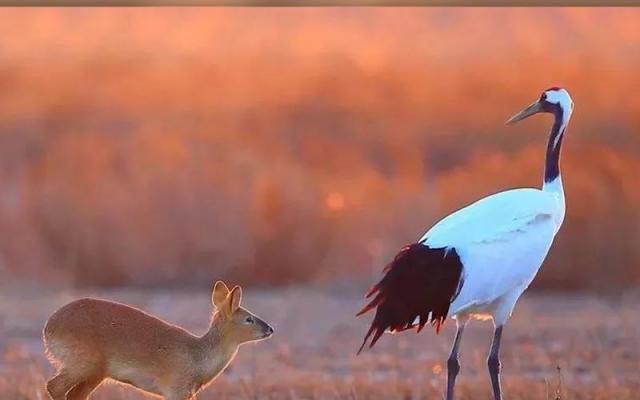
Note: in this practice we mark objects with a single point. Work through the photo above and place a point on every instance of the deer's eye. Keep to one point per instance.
(248, 320)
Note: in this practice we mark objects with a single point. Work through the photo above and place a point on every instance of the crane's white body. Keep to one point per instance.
(502, 241)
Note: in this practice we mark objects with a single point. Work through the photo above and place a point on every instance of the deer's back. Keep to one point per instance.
(113, 331)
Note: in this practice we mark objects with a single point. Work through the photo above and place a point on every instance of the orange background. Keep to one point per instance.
(273, 146)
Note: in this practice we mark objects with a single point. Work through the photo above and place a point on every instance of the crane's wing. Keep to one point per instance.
(493, 218)
(502, 241)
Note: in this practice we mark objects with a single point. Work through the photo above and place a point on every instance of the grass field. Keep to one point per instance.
(567, 347)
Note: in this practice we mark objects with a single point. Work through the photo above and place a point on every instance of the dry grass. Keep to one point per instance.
(593, 342)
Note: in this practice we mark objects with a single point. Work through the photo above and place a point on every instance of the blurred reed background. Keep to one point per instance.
(170, 147)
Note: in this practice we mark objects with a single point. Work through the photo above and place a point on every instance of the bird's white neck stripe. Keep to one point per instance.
(566, 114)
(559, 135)
(566, 108)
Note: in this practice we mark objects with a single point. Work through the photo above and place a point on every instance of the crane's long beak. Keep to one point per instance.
(527, 112)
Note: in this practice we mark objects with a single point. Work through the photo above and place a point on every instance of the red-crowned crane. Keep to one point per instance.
(476, 262)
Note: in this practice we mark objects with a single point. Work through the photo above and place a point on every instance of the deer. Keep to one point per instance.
(90, 340)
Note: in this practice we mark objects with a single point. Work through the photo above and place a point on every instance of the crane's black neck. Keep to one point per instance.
(552, 162)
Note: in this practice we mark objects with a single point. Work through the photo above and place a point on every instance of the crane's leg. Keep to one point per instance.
(494, 363)
(453, 364)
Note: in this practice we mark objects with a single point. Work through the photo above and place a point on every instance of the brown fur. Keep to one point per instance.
(90, 340)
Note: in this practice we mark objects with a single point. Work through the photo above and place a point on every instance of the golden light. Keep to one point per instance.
(437, 369)
(335, 201)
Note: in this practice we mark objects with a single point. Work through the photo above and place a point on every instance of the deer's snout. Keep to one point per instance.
(268, 331)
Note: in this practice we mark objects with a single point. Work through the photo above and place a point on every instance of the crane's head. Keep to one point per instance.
(554, 100)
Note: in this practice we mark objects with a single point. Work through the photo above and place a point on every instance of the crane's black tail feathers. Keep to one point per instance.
(420, 282)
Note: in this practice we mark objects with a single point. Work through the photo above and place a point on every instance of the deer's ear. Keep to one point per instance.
(219, 295)
(234, 299)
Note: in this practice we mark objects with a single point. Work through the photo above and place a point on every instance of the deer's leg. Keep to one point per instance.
(84, 388)
(59, 385)
(179, 395)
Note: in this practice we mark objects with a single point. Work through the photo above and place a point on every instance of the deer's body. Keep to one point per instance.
(91, 340)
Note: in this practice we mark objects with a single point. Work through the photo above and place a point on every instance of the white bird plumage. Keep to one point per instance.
(492, 248)
(502, 240)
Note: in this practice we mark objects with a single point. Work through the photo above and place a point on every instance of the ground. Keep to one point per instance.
(555, 346)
